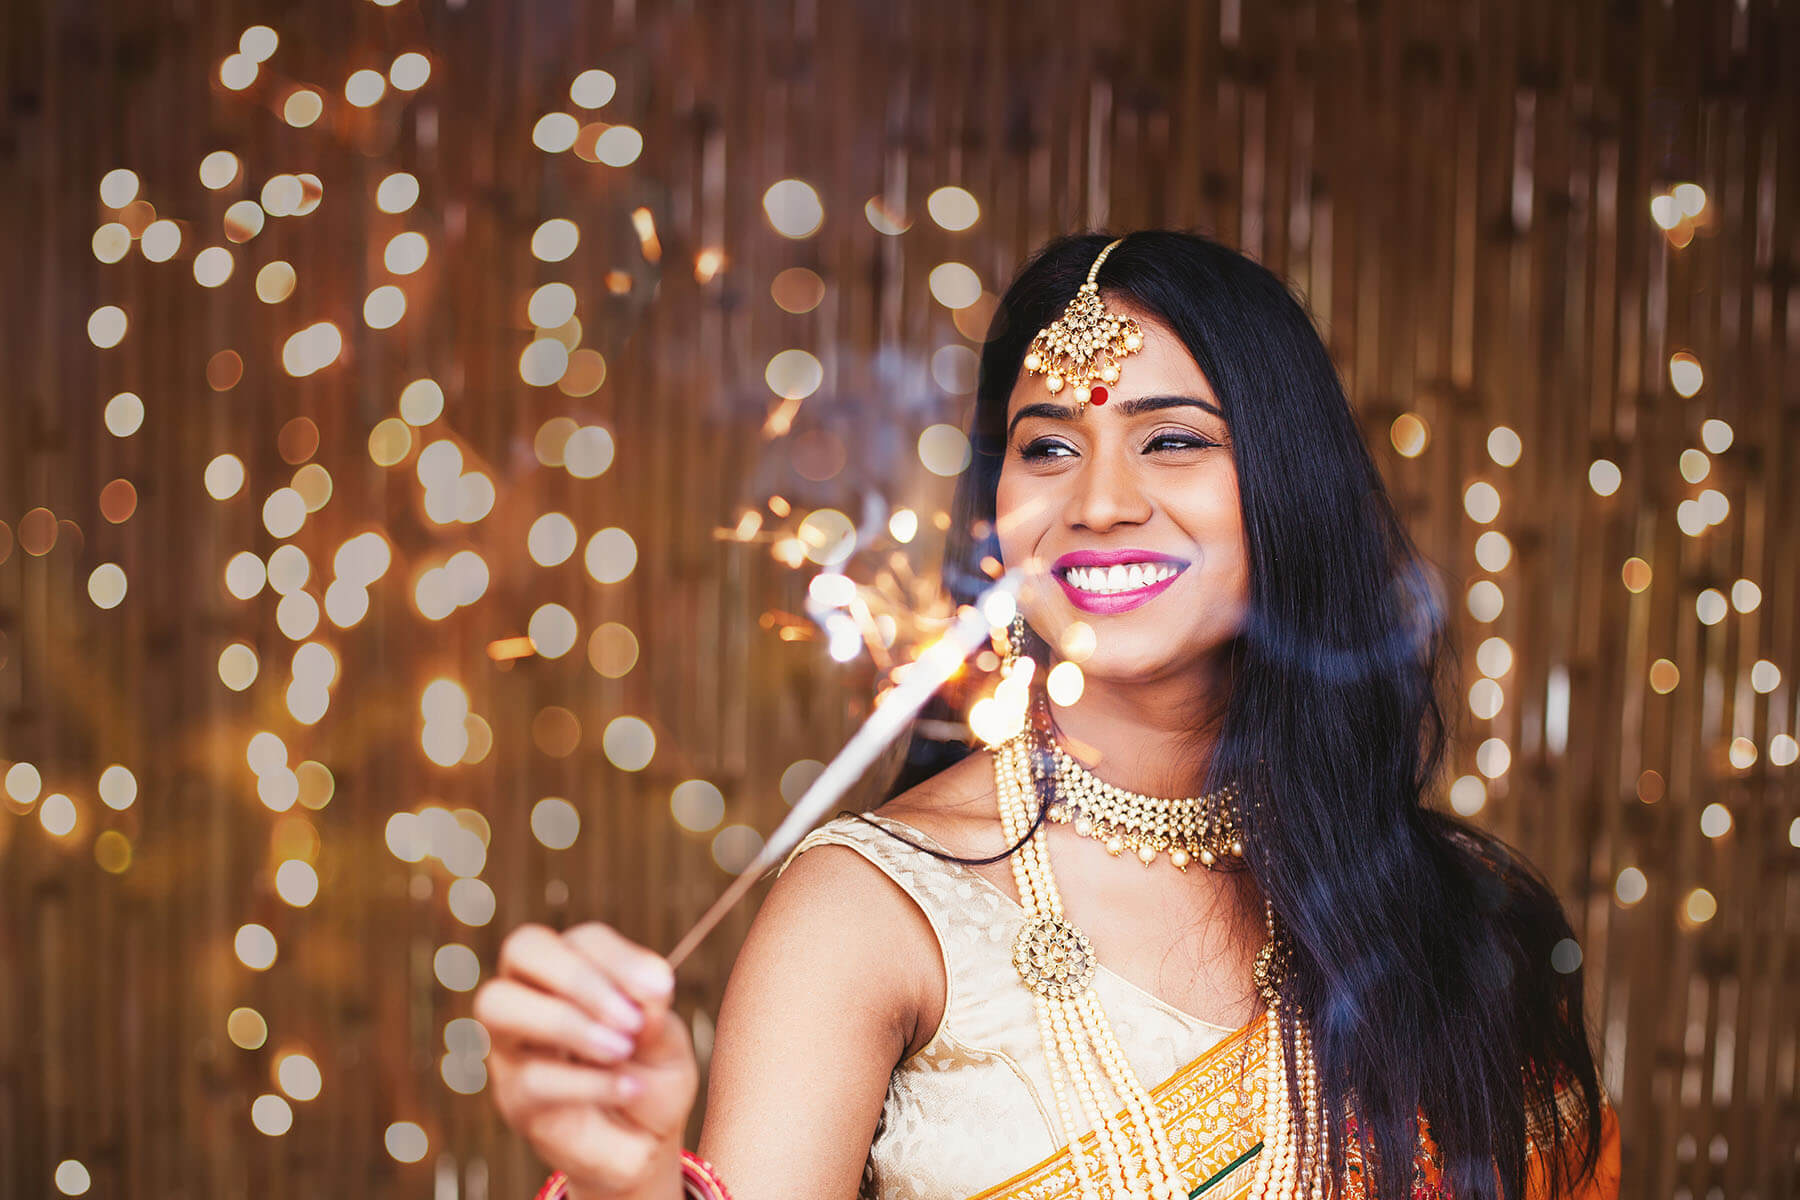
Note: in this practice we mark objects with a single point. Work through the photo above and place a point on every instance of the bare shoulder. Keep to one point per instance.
(831, 899)
(838, 980)
(835, 926)
(955, 808)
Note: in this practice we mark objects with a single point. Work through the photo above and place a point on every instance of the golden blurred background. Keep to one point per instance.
(435, 435)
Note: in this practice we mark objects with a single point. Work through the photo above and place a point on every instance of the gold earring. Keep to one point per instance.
(1015, 643)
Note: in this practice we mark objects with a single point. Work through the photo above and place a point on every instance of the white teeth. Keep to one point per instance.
(1105, 581)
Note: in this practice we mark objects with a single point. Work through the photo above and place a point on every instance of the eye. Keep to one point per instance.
(1046, 447)
(1177, 440)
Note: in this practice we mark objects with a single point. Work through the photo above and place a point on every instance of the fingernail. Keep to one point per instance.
(621, 1011)
(630, 1086)
(656, 978)
(609, 1044)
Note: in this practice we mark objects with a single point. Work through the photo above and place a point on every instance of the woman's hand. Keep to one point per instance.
(588, 1062)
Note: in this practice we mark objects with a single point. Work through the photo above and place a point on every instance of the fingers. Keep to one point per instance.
(513, 1012)
(664, 1061)
(527, 1084)
(536, 955)
(644, 975)
(589, 1062)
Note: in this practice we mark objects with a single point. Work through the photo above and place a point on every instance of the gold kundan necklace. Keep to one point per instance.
(1056, 961)
(1202, 827)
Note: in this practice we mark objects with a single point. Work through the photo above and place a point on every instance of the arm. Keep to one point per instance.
(839, 978)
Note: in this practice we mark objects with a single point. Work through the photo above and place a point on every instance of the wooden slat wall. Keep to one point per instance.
(1461, 191)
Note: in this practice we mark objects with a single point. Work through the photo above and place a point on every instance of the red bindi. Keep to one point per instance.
(1098, 395)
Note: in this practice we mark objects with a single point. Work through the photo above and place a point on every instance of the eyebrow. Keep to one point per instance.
(1128, 408)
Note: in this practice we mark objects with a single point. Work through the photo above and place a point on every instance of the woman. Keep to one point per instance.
(1195, 932)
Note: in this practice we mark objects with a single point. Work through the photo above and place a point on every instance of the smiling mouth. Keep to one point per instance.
(1119, 578)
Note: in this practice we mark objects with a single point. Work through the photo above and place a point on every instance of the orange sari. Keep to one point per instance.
(1209, 1108)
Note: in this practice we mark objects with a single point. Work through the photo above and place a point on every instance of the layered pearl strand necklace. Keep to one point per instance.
(1280, 1174)
(1056, 961)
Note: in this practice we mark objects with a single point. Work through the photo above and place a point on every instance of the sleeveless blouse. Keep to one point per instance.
(974, 1107)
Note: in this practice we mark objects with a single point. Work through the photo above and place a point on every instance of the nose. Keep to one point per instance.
(1106, 493)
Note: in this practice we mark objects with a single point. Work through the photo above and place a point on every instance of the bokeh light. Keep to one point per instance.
(106, 326)
(409, 71)
(555, 823)
(456, 967)
(72, 1178)
(593, 88)
(302, 107)
(1685, 373)
(610, 556)
(406, 1142)
(793, 208)
(271, 1115)
(58, 815)
(612, 650)
(365, 88)
(555, 240)
(1631, 886)
(1481, 501)
(1468, 795)
(255, 947)
(397, 193)
(555, 132)
(298, 1075)
(118, 787)
(1504, 446)
(218, 170)
(953, 208)
(735, 846)
(697, 806)
(629, 743)
(552, 630)
(944, 449)
(118, 187)
(794, 374)
(551, 540)
(955, 285)
(107, 585)
(1409, 434)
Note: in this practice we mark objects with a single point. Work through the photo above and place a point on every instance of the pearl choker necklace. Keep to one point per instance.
(1204, 827)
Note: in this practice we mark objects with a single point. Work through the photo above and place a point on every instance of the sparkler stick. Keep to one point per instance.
(926, 675)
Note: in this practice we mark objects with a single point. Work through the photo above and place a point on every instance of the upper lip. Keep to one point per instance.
(1114, 558)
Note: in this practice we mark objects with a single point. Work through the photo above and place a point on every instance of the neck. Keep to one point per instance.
(1152, 736)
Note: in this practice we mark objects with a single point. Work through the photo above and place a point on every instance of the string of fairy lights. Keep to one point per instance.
(863, 595)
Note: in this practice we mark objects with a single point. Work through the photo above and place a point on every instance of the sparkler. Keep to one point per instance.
(935, 666)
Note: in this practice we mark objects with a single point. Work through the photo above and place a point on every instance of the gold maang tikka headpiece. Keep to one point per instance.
(1081, 349)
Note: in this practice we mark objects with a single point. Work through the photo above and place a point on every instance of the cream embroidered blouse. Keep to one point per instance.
(973, 1107)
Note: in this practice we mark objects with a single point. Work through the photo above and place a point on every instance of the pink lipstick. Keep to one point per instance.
(1105, 582)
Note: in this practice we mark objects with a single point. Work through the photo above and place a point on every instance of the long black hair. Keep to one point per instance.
(1421, 946)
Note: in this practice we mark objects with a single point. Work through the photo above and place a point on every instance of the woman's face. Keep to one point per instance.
(1126, 518)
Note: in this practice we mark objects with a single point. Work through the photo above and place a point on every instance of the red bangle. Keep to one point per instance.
(699, 1179)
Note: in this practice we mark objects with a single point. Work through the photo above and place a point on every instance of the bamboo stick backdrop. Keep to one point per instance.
(362, 597)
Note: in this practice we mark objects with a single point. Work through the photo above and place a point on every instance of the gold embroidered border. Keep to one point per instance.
(1207, 1107)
